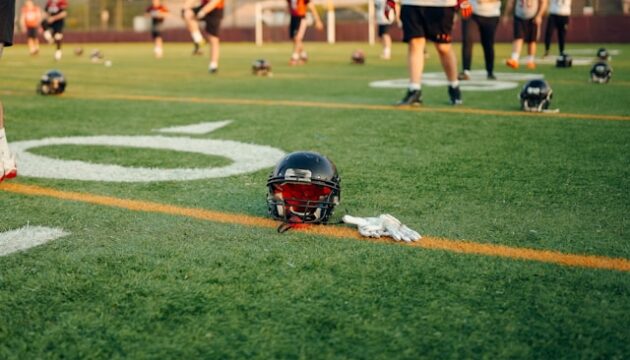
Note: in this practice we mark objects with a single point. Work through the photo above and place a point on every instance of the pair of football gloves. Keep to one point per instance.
(463, 6)
(383, 225)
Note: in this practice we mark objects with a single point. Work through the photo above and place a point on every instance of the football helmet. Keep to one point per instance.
(564, 61)
(303, 188)
(358, 57)
(601, 73)
(603, 54)
(536, 96)
(261, 67)
(52, 83)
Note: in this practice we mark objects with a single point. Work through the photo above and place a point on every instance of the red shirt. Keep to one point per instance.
(298, 7)
(54, 7)
(32, 16)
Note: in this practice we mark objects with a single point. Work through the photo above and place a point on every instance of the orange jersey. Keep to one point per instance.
(298, 7)
(32, 16)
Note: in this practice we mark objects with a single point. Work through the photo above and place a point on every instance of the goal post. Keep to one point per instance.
(329, 5)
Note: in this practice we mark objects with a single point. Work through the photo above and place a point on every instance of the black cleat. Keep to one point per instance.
(463, 76)
(412, 98)
(455, 95)
(213, 71)
(491, 77)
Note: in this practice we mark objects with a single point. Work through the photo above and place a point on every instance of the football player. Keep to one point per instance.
(385, 17)
(297, 28)
(54, 22)
(559, 12)
(30, 19)
(433, 20)
(486, 14)
(527, 19)
(157, 12)
(8, 168)
(211, 11)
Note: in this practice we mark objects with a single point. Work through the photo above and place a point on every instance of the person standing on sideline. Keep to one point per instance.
(527, 19)
(486, 14)
(30, 20)
(212, 12)
(157, 12)
(559, 12)
(54, 22)
(433, 20)
(297, 28)
(384, 19)
(8, 168)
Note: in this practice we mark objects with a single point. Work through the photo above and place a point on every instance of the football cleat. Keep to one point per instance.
(455, 95)
(412, 98)
(464, 75)
(531, 65)
(536, 96)
(564, 61)
(491, 77)
(512, 63)
(8, 167)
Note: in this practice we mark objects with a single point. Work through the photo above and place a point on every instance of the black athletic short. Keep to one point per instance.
(433, 23)
(525, 29)
(294, 25)
(7, 21)
(559, 21)
(31, 32)
(55, 27)
(383, 29)
(156, 28)
(213, 22)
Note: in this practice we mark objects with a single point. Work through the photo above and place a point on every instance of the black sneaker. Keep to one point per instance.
(455, 95)
(491, 77)
(213, 71)
(412, 98)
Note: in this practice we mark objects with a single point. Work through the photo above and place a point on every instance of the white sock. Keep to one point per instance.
(387, 52)
(197, 37)
(454, 83)
(515, 56)
(158, 51)
(4, 146)
(530, 58)
(213, 65)
(414, 86)
(295, 56)
(303, 55)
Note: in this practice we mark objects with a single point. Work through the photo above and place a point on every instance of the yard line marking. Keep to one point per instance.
(329, 105)
(27, 237)
(427, 242)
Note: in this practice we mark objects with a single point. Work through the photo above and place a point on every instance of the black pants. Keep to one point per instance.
(487, 29)
(7, 17)
(560, 23)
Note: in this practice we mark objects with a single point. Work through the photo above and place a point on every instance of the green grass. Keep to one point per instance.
(140, 285)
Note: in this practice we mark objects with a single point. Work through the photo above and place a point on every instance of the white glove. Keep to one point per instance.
(384, 225)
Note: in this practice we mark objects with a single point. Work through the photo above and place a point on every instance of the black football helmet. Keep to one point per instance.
(603, 54)
(601, 73)
(564, 61)
(358, 57)
(261, 67)
(52, 83)
(536, 96)
(303, 188)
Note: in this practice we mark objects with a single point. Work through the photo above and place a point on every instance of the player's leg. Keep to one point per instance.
(549, 33)
(8, 168)
(467, 49)
(517, 44)
(158, 49)
(562, 25)
(213, 25)
(487, 31)
(531, 36)
(303, 56)
(386, 41)
(57, 27)
(193, 28)
(439, 28)
(414, 36)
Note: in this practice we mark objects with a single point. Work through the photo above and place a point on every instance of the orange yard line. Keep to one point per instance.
(329, 105)
(427, 242)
